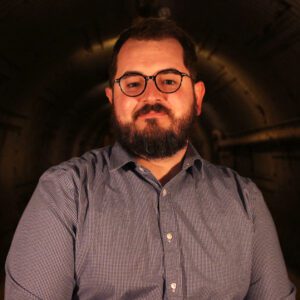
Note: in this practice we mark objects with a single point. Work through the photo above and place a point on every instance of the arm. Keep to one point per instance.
(40, 263)
(269, 278)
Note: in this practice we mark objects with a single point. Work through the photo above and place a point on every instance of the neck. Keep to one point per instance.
(166, 168)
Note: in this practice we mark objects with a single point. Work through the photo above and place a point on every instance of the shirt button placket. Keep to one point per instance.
(171, 251)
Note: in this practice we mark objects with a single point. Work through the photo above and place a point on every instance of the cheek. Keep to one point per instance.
(182, 105)
(124, 109)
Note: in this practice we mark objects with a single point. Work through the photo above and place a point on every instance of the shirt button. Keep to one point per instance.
(173, 286)
(164, 192)
(169, 236)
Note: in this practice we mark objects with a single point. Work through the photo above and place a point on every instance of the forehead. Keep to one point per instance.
(150, 56)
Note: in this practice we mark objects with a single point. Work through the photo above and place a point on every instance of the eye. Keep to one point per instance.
(133, 84)
(169, 82)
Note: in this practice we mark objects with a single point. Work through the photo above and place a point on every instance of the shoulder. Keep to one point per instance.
(232, 186)
(86, 168)
(224, 174)
(93, 159)
(66, 187)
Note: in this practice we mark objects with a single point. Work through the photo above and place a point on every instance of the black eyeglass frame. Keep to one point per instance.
(152, 77)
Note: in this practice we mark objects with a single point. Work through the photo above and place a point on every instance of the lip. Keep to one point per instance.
(153, 114)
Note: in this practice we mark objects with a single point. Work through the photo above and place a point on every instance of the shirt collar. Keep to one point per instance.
(191, 158)
(120, 157)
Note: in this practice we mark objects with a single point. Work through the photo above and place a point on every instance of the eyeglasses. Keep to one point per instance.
(168, 81)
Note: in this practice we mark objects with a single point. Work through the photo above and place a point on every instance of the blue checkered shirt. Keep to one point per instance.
(102, 227)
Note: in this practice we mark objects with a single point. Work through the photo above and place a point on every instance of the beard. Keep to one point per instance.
(154, 141)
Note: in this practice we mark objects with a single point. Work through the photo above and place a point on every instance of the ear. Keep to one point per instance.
(109, 94)
(199, 89)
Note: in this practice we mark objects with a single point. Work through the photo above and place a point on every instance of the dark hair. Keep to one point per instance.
(156, 29)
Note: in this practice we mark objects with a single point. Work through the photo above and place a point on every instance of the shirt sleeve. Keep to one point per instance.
(40, 263)
(269, 279)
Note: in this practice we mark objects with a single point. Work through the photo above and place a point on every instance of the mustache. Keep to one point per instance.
(151, 107)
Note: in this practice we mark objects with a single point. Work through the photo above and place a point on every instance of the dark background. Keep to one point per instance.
(53, 70)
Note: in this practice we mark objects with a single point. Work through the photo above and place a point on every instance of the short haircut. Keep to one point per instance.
(156, 29)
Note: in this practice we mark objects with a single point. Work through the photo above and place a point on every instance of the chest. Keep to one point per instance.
(174, 241)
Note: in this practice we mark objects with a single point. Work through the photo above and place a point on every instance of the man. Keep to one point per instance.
(147, 218)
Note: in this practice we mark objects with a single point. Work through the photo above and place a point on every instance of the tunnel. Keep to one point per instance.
(54, 57)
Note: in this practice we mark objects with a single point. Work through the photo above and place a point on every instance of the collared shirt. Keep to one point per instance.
(103, 227)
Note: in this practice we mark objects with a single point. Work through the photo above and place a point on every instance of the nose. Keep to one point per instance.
(151, 92)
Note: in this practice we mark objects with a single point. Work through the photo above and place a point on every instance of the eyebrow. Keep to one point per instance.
(128, 73)
(132, 72)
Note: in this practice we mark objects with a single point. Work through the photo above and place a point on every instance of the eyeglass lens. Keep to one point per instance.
(134, 84)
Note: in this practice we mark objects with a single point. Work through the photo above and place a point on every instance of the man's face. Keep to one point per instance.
(154, 124)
